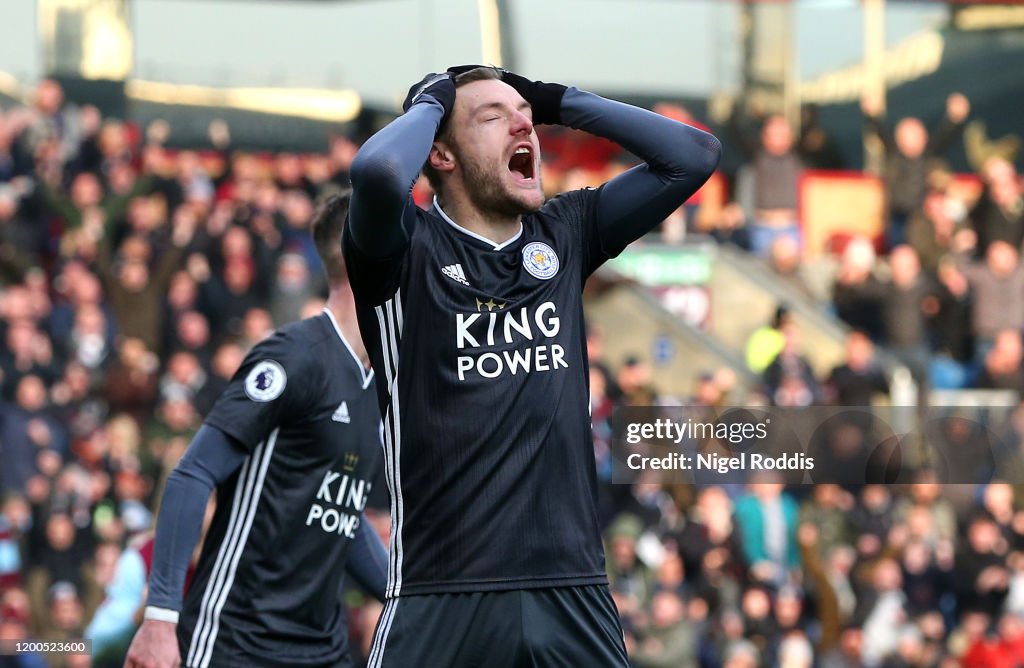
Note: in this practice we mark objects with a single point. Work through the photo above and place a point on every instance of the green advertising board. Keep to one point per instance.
(664, 266)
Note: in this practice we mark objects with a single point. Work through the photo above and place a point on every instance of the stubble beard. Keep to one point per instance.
(489, 194)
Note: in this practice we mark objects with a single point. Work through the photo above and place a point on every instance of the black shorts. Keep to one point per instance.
(224, 656)
(572, 627)
(227, 660)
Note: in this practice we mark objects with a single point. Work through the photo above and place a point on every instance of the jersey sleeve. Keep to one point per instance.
(273, 386)
(578, 210)
(375, 279)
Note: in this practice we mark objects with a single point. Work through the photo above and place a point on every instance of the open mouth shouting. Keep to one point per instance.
(521, 164)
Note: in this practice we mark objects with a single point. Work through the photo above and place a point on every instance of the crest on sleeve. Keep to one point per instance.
(540, 260)
(265, 381)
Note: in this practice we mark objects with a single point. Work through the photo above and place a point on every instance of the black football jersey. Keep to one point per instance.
(269, 578)
(482, 375)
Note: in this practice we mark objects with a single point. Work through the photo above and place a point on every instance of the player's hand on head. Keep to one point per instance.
(155, 645)
(439, 87)
(456, 70)
(544, 98)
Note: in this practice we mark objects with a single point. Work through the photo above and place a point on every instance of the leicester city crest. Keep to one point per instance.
(265, 381)
(540, 260)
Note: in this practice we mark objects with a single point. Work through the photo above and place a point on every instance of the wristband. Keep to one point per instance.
(160, 614)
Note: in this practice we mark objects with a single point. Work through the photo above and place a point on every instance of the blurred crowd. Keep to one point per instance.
(942, 286)
(134, 278)
(750, 572)
(760, 573)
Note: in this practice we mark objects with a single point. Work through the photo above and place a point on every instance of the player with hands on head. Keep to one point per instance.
(292, 448)
(472, 313)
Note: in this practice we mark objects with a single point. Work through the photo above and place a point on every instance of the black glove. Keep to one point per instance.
(441, 87)
(544, 98)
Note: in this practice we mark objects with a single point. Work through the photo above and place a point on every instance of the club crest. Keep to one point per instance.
(540, 260)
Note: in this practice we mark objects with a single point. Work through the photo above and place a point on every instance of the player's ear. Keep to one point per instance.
(441, 157)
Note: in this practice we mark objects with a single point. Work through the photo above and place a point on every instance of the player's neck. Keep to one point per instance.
(343, 308)
(492, 226)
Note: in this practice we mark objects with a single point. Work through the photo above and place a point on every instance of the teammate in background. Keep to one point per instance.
(292, 446)
(473, 316)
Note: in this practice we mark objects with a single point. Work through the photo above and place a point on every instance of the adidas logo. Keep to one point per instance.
(341, 414)
(454, 272)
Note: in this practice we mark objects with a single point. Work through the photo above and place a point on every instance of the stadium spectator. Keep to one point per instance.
(136, 292)
(22, 244)
(182, 297)
(767, 341)
(192, 334)
(903, 310)
(1005, 647)
(710, 549)
(949, 309)
(872, 519)
(884, 609)
(769, 182)
(667, 639)
(784, 261)
(634, 381)
(767, 518)
(28, 352)
(849, 652)
(226, 360)
(817, 148)
(908, 152)
(596, 361)
(925, 582)
(982, 578)
(859, 379)
(130, 383)
(630, 579)
(789, 379)
(998, 214)
(53, 122)
(15, 161)
(856, 292)
(14, 627)
(997, 499)
(183, 376)
(826, 510)
(925, 496)
(15, 518)
(998, 288)
(727, 225)
(758, 624)
(293, 286)
(256, 326)
(232, 293)
(934, 232)
(1002, 368)
(30, 437)
(113, 624)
